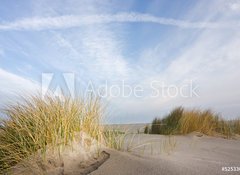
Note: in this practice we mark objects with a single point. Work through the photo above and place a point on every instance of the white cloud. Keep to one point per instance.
(93, 54)
(105, 48)
(235, 6)
(12, 85)
(211, 58)
(69, 21)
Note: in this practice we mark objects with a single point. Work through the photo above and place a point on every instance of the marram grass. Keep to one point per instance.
(114, 139)
(182, 121)
(202, 121)
(37, 124)
(236, 125)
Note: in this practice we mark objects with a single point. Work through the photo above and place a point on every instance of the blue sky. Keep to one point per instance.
(135, 41)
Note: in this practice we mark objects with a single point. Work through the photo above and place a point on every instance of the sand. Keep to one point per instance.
(191, 154)
(83, 156)
(130, 128)
(145, 154)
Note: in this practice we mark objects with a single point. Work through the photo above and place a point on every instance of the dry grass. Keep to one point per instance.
(182, 121)
(38, 124)
(236, 126)
(169, 144)
(205, 122)
(167, 125)
(136, 143)
(114, 138)
(196, 120)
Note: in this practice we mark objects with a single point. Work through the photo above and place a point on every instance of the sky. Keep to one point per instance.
(139, 46)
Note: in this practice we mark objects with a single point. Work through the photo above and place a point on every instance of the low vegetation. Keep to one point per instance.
(236, 126)
(114, 138)
(182, 121)
(38, 124)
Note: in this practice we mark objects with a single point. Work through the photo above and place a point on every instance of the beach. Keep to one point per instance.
(190, 154)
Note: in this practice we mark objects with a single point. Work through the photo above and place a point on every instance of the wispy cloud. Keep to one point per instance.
(96, 53)
(69, 21)
(235, 6)
(87, 45)
(12, 84)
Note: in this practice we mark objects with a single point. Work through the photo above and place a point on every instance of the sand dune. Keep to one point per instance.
(191, 154)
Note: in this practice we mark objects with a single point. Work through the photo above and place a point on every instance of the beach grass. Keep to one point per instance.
(205, 122)
(114, 138)
(236, 125)
(168, 124)
(37, 124)
(183, 121)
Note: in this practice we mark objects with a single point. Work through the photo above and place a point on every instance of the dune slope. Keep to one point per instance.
(192, 155)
